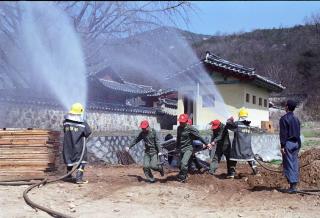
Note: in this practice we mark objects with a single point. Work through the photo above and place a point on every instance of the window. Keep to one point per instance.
(260, 101)
(253, 99)
(248, 98)
(265, 103)
(208, 101)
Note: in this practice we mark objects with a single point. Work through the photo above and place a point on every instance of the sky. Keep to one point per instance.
(237, 16)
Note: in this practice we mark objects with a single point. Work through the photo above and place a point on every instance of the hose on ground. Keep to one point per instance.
(306, 191)
(258, 158)
(45, 181)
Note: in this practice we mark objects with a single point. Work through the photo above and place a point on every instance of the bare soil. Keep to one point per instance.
(121, 191)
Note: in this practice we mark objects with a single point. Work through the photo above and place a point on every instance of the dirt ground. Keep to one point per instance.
(120, 191)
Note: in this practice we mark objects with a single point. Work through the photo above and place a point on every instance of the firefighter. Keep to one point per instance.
(75, 129)
(185, 135)
(220, 139)
(290, 145)
(241, 149)
(151, 152)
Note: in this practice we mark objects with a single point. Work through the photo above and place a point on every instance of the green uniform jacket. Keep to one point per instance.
(151, 141)
(185, 136)
(221, 137)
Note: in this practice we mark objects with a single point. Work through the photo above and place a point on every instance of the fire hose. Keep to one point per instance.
(44, 182)
(260, 161)
(258, 158)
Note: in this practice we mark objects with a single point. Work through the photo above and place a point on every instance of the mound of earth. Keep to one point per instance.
(309, 173)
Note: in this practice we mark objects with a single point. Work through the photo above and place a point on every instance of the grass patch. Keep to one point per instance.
(311, 133)
(276, 162)
(310, 143)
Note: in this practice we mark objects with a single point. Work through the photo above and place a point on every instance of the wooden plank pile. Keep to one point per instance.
(27, 153)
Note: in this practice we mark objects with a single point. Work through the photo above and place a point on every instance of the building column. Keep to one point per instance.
(197, 105)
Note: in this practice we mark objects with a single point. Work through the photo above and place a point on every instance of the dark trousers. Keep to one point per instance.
(184, 163)
(233, 165)
(291, 162)
(197, 164)
(150, 162)
(217, 155)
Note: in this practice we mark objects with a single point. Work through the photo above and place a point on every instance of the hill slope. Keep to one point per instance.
(288, 55)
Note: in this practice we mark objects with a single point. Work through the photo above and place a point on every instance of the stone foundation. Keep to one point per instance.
(104, 148)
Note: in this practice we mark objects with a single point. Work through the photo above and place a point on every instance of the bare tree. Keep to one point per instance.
(98, 22)
(313, 22)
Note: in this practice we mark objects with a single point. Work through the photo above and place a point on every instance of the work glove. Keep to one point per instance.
(127, 149)
(209, 146)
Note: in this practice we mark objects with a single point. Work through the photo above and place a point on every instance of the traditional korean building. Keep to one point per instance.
(239, 86)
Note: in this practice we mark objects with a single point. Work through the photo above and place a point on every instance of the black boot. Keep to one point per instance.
(293, 188)
(151, 180)
(255, 171)
(182, 178)
(69, 178)
(161, 171)
(231, 173)
(79, 177)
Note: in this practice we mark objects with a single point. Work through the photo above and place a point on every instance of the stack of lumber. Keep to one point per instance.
(27, 153)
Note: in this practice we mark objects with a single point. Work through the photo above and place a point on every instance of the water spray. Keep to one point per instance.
(54, 52)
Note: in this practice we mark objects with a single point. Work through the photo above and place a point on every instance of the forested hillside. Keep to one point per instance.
(290, 56)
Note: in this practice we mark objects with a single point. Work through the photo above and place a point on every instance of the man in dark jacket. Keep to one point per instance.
(185, 136)
(75, 131)
(241, 149)
(220, 139)
(152, 149)
(290, 145)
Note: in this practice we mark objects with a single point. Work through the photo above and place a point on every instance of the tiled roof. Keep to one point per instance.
(91, 105)
(29, 100)
(127, 87)
(169, 102)
(132, 88)
(122, 108)
(219, 62)
(170, 111)
(162, 92)
(242, 71)
(236, 70)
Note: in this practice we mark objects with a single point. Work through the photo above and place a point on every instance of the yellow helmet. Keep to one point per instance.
(243, 112)
(76, 108)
